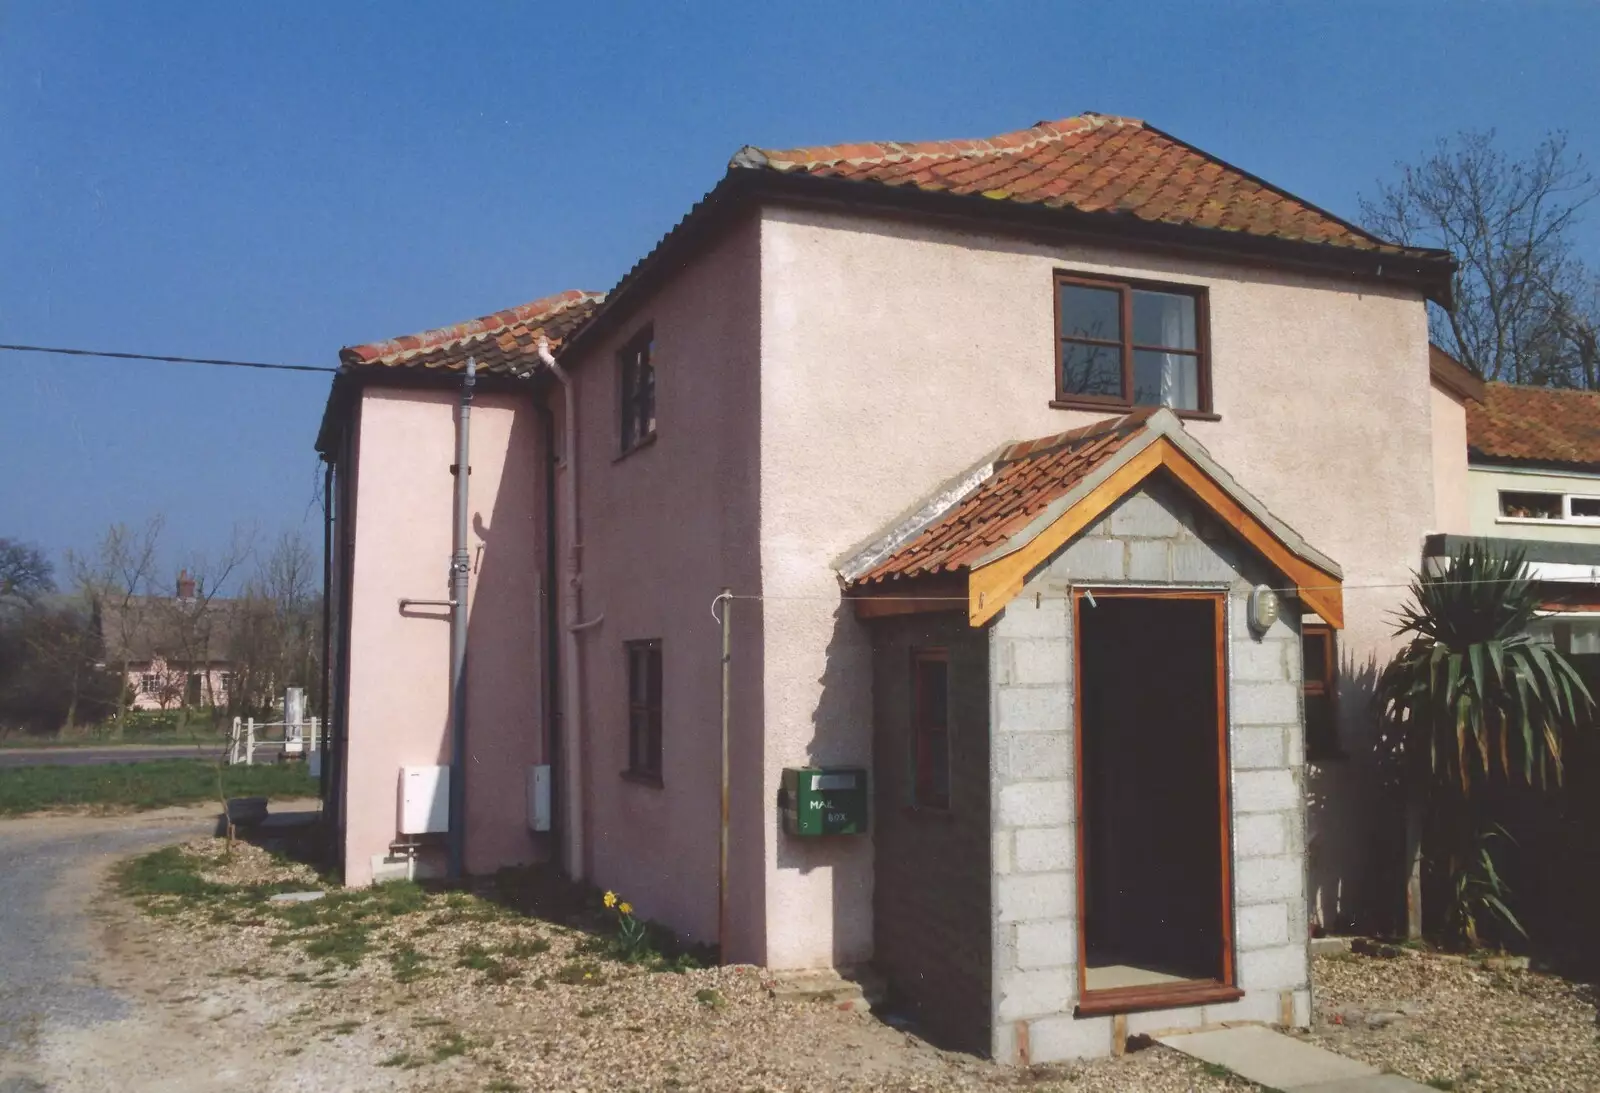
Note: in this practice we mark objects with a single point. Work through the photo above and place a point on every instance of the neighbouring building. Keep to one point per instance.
(1057, 489)
(1533, 484)
(173, 651)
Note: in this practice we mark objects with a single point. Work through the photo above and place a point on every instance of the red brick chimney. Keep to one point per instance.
(185, 585)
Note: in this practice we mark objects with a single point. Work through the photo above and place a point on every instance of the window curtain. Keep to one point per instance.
(1180, 378)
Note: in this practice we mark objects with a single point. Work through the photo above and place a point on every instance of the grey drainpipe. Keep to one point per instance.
(460, 571)
(552, 626)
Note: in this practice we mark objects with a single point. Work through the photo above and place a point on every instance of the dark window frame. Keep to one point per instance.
(922, 743)
(1325, 689)
(636, 390)
(1125, 288)
(644, 711)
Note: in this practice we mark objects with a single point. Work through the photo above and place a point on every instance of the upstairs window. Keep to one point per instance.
(1121, 344)
(638, 386)
(1318, 681)
(1555, 507)
(644, 711)
(930, 728)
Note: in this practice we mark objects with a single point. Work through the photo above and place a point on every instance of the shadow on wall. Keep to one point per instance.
(504, 657)
(841, 735)
(1355, 816)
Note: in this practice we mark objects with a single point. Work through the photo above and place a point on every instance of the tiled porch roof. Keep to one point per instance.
(503, 343)
(1091, 163)
(1026, 478)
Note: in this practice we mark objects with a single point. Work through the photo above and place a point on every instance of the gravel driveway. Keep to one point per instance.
(82, 1008)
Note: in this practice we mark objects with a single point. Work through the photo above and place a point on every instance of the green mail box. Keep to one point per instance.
(824, 800)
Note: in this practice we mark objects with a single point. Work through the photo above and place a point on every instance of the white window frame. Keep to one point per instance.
(1566, 516)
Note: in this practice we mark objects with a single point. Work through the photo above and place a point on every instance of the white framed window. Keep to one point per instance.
(149, 683)
(1548, 507)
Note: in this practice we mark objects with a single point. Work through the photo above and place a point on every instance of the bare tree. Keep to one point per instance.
(1525, 303)
(114, 582)
(276, 626)
(193, 624)
(24, 570)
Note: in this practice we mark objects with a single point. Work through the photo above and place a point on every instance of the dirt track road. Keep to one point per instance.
(85, 1005)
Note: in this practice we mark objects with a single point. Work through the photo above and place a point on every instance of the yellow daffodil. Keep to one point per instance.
(625, 908)
(610, 899)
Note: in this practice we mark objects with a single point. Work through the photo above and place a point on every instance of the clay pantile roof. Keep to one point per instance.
(1026, 478)
(1092, 163)
(1545, 425)
(503, 343)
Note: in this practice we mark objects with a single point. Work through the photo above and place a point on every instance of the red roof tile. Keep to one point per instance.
(502, 343)
(1089, 163)
(1549, 425)
(1027, 477)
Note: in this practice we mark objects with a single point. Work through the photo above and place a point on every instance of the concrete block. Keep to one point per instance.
(1265, 703)
(1033, 709)
(1000, 853)
(1276, 969)
(1034, 994)
(1141, 516)
(1268, 880)
(1003, 1044)
(1262, 926)
(1261, 661)
(1196, 562)
(1033, 897)
(1092, 560)
(1053, 1039)
(1035, 804)
(1295, 738)
(1155, 1021)
(1148, 560)
(1265, 791)
(1052, 943)
(1260, 835)
(1022, 618)
(1256, 1005)
(1042, 849)
(1040, 661)
(1258, 746)
(1302, 1009)
(1039, 755)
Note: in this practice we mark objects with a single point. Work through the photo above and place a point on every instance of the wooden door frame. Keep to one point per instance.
(1188, 992)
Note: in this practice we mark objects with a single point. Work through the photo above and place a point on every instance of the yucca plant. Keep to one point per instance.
(1473, 690)
(1470, 694)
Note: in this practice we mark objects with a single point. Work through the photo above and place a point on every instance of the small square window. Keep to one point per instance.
(637, 381)
(930, 728)
(644, 710)
(1585, 508)
(1122, 344)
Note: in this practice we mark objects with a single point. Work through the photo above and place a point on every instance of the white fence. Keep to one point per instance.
(287, 737)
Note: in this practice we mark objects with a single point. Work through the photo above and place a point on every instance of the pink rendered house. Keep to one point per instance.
(1055, 488)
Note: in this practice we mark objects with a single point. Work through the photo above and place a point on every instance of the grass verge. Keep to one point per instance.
(139, 786)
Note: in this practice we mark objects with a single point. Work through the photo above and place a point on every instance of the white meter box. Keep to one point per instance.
(424, 800)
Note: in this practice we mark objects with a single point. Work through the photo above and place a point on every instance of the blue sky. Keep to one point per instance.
(274, 181)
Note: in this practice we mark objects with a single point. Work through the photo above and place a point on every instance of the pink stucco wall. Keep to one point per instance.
(894, 356)
(1452, 509)
(664, 529)
(398, 712)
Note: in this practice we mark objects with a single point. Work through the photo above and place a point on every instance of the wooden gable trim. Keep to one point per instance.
(991, 587)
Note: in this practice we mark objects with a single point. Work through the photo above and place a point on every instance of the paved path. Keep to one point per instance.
(1280, 1062)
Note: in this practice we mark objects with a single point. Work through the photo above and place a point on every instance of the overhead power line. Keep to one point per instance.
(175, 360)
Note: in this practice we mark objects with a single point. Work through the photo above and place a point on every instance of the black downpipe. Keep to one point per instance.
(552, 720)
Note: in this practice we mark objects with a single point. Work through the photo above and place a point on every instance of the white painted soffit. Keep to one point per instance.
(1561, 572)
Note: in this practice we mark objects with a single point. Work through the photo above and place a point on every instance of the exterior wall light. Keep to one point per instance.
(1262, 609)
